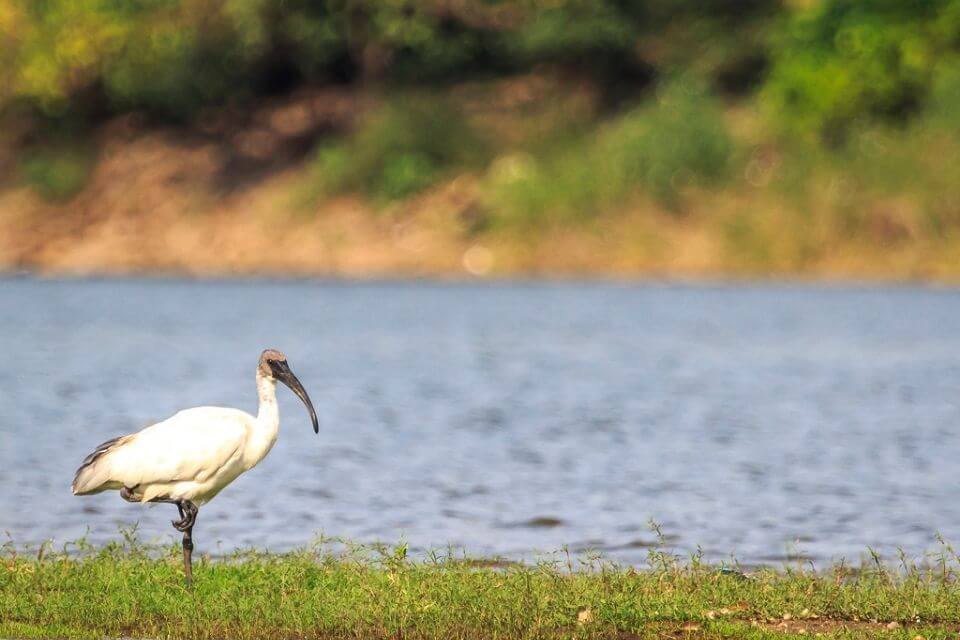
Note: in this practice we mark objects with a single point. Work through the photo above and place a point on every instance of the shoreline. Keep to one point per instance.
(640, 281)
(300, 252)
(174, 202)
(158, 203)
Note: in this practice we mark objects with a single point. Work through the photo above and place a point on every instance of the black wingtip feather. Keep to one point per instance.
(101, 449)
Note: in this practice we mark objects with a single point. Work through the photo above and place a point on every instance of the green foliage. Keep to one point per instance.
(571, 29)
(404, 147)
(316, 32)
(943, 108)
(165, 72)
(166, 56)
(841, 60)
(172, 57)
(833, 61)
(678, 141)
(915, 162)
(56, 172)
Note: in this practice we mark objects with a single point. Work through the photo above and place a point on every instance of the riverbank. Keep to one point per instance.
(169, 232)
(126, 591)
(254, 192)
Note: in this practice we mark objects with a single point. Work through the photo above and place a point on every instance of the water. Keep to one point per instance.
(507, 419)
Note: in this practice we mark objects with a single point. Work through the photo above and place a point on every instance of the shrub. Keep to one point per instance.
(57, 172)
(573, 29)
(164, 56)
(841, 60)
(680, 141)
(660, 148)
(404, 147)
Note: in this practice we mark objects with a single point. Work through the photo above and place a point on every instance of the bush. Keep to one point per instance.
(832, 61)
(165, 56)
(404, 147)
(678, 141)
(842, 60)
(57, 172)
(574, 30)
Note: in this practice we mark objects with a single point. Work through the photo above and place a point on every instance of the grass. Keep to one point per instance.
(127, 589)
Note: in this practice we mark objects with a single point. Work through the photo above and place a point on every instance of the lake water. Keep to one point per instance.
(511, 419)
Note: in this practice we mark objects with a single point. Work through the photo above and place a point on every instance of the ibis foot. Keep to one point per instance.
(188, 515)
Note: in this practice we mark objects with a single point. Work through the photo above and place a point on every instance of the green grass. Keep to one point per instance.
(126, 589)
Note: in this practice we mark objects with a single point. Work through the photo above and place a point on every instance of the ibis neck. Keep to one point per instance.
(268, 414)
(264, 434)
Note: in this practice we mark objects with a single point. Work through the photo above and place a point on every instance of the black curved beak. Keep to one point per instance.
(281, 371)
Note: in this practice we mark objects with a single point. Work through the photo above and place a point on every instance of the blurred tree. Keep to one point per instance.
(822, 64)
(839, 60)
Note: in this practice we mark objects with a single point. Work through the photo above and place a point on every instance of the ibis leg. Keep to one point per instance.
(188, 556)
(188, 516)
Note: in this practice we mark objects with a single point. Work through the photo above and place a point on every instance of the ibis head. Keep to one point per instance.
(273, 365)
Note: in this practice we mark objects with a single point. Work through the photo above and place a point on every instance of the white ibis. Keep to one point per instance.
(188, 458)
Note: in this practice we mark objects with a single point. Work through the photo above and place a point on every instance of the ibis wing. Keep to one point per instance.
(189, 446)
(85, 481)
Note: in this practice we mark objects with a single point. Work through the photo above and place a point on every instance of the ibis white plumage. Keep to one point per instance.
(190, 457)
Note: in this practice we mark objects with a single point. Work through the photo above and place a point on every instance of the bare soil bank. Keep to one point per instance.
(221, 199)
